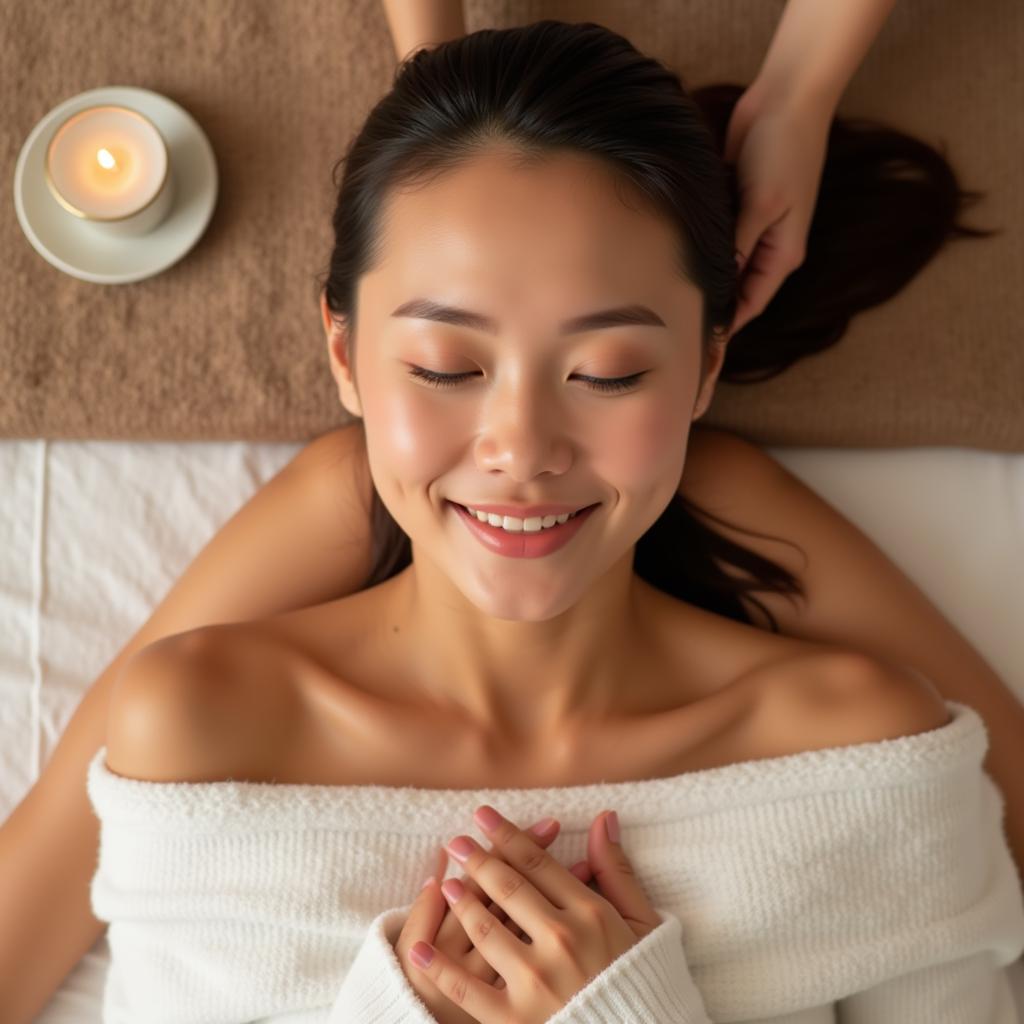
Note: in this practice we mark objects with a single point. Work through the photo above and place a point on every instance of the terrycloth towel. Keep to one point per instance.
(872, 879)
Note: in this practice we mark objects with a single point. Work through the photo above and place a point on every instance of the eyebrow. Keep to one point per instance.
(621, 316)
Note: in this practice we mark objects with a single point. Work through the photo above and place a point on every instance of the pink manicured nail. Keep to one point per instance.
(421, 954)
(611, 826)
(487, 818)
(452, 889)
(542, 827)
(460, 847)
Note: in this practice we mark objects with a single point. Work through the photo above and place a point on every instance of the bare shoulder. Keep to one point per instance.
(854, 595)
(735, 485)
(714, 454)
(335, 472)
(840, 697)
(344, 446)
(740, 491)
(200, 706)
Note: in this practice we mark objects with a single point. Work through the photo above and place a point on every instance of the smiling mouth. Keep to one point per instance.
(548, 522)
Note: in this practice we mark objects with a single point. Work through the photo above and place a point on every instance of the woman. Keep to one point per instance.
(527, 307)
(253, 569)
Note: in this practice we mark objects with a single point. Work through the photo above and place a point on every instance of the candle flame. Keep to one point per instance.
(106, 158)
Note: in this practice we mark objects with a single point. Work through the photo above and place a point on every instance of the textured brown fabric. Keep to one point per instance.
(228, 344)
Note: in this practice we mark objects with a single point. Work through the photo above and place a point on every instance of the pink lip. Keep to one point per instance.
(523, 545)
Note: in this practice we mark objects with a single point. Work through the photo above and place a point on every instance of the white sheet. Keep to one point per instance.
(92, 534)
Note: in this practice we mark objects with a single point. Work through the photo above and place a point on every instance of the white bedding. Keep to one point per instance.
(92, 534)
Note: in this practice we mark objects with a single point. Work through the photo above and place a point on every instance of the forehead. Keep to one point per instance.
(561, 223)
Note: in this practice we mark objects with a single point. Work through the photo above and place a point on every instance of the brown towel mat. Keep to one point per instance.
(228, 344)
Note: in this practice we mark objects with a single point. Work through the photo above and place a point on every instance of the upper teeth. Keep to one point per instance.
(516, 525)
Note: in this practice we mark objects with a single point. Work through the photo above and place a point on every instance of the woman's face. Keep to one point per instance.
(527, 251)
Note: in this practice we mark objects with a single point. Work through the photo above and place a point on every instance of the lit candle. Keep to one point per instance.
(108, 165)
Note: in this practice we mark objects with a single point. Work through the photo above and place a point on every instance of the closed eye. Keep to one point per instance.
(445, 380)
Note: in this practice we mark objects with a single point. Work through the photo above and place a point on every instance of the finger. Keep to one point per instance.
(542, 838)
(751, 224)
(581, 869)
(755, 219)
(761, 279)
(451, 937)
(520, 875)
(774, 258)
(440, 865)
(425, 915)
(477, 998)
(492, 940)
(617, 881)
(458, 947)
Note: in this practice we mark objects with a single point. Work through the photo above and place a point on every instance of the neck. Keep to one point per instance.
(521, 679)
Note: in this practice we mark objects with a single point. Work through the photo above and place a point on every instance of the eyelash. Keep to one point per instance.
(609, 384)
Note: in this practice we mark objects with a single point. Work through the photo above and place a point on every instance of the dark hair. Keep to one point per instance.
(886, 204)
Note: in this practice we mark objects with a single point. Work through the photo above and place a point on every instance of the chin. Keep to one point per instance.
(516, 601)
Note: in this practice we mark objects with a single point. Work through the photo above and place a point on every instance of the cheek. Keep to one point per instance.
(414, 438)
(641, 448)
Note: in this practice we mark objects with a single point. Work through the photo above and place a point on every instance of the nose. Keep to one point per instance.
(524, 433)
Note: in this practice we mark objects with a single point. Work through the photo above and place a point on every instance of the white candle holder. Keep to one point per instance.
(149, 225)
(110, 167)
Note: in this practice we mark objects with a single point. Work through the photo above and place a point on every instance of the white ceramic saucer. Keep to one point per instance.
(70, 244)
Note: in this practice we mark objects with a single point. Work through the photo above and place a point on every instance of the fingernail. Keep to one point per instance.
(611, 826)
(421, 954)
(429, 879)
(487, 818)
(543, 826)
(460, 848)
(452, 889)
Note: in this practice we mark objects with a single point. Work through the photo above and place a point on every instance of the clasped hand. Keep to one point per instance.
(546, 933)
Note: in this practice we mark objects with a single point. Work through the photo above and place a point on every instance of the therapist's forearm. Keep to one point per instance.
(423, 23)
(818, 45)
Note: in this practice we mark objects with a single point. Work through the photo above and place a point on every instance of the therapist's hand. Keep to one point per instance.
(778, 145)
(416, 24)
